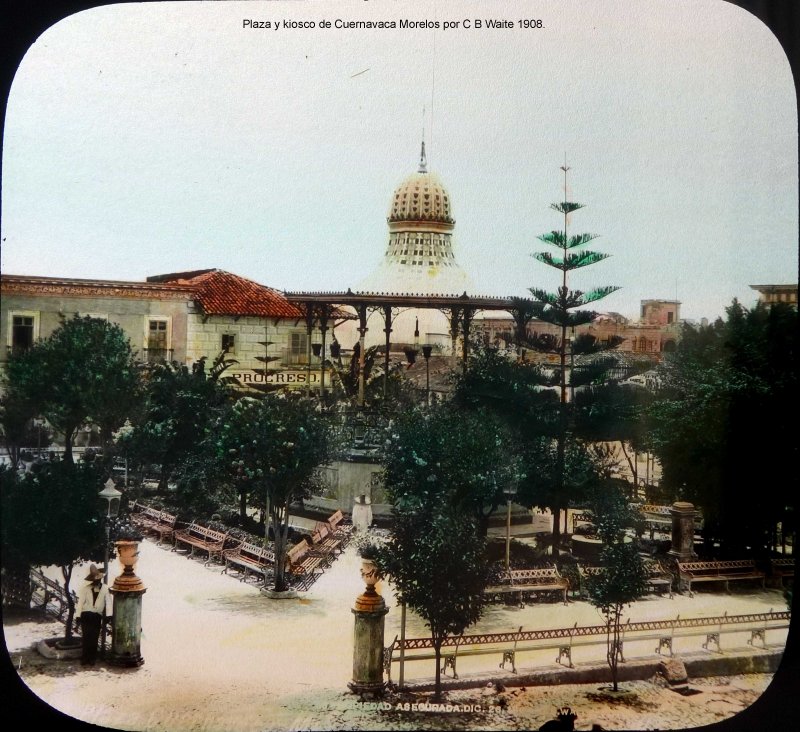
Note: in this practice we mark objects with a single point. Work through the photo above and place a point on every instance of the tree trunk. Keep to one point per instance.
(69, 436)
(280, 528)
(242, 505)
(631, 466)
(437, 687)
(66, 571)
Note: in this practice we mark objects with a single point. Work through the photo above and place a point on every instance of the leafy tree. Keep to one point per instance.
(56, 520)
(448, 451)
(615, 412)
(436, 558)
(560, 309)
(83, 372)
(623, 581)
(721, 428)
(271, 447)
(513, 393)
(181, 404)
(16, 415)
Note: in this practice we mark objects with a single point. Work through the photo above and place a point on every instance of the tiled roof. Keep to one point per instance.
(222, 293)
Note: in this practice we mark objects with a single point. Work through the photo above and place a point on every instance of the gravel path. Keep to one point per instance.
(220, 657)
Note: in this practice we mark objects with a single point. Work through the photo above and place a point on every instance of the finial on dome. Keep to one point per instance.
(423, 163)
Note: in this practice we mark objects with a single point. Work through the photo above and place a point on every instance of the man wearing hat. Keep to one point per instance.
(90, 611)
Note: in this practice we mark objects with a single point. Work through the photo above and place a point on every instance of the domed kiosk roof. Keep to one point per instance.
(421, 197)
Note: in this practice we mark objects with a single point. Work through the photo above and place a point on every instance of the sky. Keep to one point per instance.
(158, 137)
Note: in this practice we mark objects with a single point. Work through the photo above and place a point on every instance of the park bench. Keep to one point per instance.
(524, 582)
(302, 565)
(249, 558)
(658, 577)
(151, 521)
(208, 540)
(781, 568)
(565, 639)
(338, 528)
(144, 517)
(740, 569)
(323, 543)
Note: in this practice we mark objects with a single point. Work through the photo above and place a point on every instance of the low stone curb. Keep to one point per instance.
(697, 665)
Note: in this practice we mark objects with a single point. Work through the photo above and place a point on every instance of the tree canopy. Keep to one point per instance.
(446, 452)
(180, 406)
(83, 372)
(56, 518)
(270, 449)
(721, 429)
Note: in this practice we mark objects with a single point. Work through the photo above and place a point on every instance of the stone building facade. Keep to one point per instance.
(153, 316)
(656, 332)
(179, 317)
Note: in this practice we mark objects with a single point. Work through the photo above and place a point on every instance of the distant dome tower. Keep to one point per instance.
(419, 259)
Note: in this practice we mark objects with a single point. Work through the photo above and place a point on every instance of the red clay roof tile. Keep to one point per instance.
(222, 293)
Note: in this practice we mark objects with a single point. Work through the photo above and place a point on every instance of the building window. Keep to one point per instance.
(228, 344)
(22, 332)
(158, 345)
(298, 349)
(670, 318)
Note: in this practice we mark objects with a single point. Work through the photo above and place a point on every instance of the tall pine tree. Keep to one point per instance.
(560, 308)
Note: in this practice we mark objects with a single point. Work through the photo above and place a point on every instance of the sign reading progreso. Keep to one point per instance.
(278, 378)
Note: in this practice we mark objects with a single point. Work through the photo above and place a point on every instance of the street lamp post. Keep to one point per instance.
(426, 351)
(111, 496)
(510, 491)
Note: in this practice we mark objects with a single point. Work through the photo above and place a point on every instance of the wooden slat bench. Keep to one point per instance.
(196, 536)
(151, 521)
(323, 543)
(524, 582)
(739, 569)
(781, 568)
(566, 639)
(302, 565)
(249, 558)
(338, 528)
(144, 517)
(658, 577)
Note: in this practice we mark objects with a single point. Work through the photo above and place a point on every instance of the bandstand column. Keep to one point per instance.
(362, 332)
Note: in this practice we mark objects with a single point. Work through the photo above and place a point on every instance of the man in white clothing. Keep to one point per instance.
(90, 612)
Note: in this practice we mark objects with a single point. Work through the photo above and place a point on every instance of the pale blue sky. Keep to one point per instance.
(143, 139)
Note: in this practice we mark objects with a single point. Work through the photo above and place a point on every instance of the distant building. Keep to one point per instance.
(771, 294)
(180, 317)
(656, 332)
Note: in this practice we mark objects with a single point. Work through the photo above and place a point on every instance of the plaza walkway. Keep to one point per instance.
(220, 657)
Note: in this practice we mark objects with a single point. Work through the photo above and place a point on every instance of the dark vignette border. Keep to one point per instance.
(23, 21)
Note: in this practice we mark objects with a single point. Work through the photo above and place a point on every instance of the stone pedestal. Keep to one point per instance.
(370, 612)
(127, 591)
(683, 516)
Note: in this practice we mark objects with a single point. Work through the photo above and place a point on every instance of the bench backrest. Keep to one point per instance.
(544, 573)
(203, 532)
(252, 551)
(654, 568)
(729, 566)
(167, 518)
(785, 562)
(297, 552)
(336, 518)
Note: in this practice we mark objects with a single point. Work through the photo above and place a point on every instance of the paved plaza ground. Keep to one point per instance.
(221, 657)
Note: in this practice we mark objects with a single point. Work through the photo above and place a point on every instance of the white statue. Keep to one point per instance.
(362, 513)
